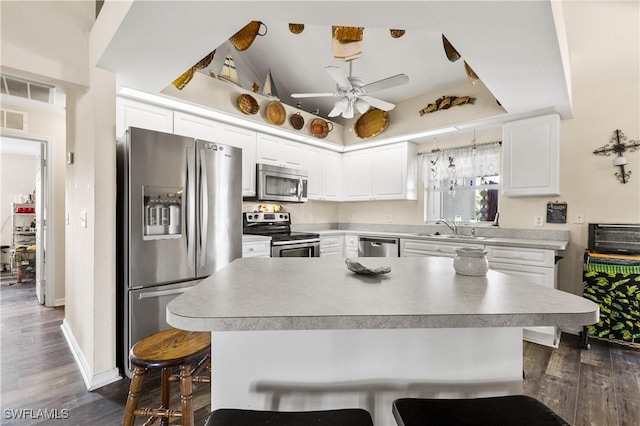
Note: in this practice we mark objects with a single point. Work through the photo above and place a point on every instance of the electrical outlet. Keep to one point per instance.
(537, 221)
(578, 218)
(389, 218)
(310, 217)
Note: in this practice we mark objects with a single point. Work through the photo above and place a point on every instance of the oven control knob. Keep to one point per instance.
(249, 217)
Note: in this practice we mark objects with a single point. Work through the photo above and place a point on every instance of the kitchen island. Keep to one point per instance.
(300, 333)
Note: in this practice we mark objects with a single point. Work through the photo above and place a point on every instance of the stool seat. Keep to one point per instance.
(237, 417)
(186, 351)
(510, 410)
(170, 348)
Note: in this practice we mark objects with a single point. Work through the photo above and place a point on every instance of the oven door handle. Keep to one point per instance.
(296, 242)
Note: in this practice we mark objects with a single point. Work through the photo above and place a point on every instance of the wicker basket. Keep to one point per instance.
(371, 123)
(449, 50)
(296, 28)
(186, 77)
(473, 77)
(245, 37)
(348, 33)
(204, 62)
(397, 33)
(276, 113)
(247, 104)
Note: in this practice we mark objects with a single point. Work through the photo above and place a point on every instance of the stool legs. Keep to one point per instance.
(134, 396)
(165, 397)
(186, 394)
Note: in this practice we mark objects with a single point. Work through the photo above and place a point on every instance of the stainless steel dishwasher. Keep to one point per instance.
(378, 247)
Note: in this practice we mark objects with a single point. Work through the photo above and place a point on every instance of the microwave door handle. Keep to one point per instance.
(190, 198)
(204, 208)
(300, 188)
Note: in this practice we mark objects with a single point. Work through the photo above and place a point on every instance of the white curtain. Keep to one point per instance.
(460, 168)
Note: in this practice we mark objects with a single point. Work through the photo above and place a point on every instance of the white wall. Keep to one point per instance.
(17, 176)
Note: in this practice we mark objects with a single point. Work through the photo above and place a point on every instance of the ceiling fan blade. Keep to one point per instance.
(311, 95)
(339, 107)
(378, 103)
(362, 106)
(386, 83)
(339, 77)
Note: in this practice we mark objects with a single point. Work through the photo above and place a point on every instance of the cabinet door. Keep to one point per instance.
(389, 172)
(138, 114)
(245, 139)
(279, 152)
(197, 127)
(332, 175)
(531, 157)
(357, 172)
(314, 165)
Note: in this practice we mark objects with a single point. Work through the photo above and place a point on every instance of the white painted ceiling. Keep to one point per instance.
(514, 47)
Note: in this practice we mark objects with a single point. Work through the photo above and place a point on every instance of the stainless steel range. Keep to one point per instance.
(284, 243)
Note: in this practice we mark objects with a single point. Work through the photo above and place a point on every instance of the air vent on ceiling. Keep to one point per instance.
(15, 120)
(27, 89)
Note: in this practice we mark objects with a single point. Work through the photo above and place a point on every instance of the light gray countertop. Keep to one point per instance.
(557, 245)
(321, 293)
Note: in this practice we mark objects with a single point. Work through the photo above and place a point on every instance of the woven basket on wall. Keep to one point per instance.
(245, 37)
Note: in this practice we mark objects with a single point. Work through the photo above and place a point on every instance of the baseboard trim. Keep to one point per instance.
(58, 302)
(91, 381)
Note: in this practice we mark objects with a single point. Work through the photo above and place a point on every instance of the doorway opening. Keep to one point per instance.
(23, 211)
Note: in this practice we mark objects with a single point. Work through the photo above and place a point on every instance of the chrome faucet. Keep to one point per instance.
(450, 224)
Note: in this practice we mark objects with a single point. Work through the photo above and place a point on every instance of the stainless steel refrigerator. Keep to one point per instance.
(179, 207)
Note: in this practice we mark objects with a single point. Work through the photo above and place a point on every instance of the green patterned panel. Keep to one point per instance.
(616, 289)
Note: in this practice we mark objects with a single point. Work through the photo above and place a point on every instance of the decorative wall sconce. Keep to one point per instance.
(617, 145)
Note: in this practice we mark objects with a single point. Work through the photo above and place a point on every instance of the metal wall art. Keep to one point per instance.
(447, 102)
(617, 145)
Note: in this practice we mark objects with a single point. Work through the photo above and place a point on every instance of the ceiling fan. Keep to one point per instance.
(354, 93)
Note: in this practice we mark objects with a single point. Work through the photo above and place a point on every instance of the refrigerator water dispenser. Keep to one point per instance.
(162, 212)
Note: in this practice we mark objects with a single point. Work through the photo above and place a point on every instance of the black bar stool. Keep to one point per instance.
(510, 410)
(237, 417)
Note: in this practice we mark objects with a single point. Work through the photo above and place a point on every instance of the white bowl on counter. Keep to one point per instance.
(471, 261)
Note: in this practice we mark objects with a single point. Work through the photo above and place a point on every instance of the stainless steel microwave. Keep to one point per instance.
(275, 183)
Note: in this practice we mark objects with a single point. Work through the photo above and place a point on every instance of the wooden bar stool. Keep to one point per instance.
(237, 417)
(187, 351)
(510, 410)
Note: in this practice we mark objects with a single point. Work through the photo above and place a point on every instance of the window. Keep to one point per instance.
(462, 183)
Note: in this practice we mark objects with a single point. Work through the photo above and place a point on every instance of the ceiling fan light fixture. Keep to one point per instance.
(362, 106)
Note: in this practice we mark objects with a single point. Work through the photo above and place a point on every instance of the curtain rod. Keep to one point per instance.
(461, 147)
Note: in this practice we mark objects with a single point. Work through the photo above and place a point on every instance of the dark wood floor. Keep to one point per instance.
(599, 387)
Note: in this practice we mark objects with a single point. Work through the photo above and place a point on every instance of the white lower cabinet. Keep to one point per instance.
(413, 248)
(351, 246)
(331, 245)
(259, 248)
(536, 266)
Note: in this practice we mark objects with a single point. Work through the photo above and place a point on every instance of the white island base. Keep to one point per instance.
(326, 369)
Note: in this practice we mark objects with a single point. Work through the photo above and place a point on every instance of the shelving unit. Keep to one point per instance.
(23, 216)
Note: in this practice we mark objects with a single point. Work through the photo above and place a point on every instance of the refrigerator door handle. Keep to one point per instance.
(191, 208)
(204, 209)
(158, 293)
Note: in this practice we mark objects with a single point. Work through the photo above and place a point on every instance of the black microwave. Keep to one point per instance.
(614, 238)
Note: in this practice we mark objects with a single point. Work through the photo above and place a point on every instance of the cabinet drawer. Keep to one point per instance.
(521, 256)
(256, 249)
(331, 241)
(410, 248)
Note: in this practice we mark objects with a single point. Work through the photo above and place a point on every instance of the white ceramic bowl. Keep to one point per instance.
(471, 261)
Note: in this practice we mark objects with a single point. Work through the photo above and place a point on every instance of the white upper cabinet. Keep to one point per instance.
(245, 139)
(279, 152)
(383, 173)
(325, 173)
(139, 114)
(357, 173)
(531, 157)
(197, 127)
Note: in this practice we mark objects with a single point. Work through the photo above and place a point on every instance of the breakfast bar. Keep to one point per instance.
(310, 334)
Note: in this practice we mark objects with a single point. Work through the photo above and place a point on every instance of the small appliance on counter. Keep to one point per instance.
(284, 242)
(611, 278)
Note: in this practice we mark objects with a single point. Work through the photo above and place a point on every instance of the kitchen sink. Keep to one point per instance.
(453, 237)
